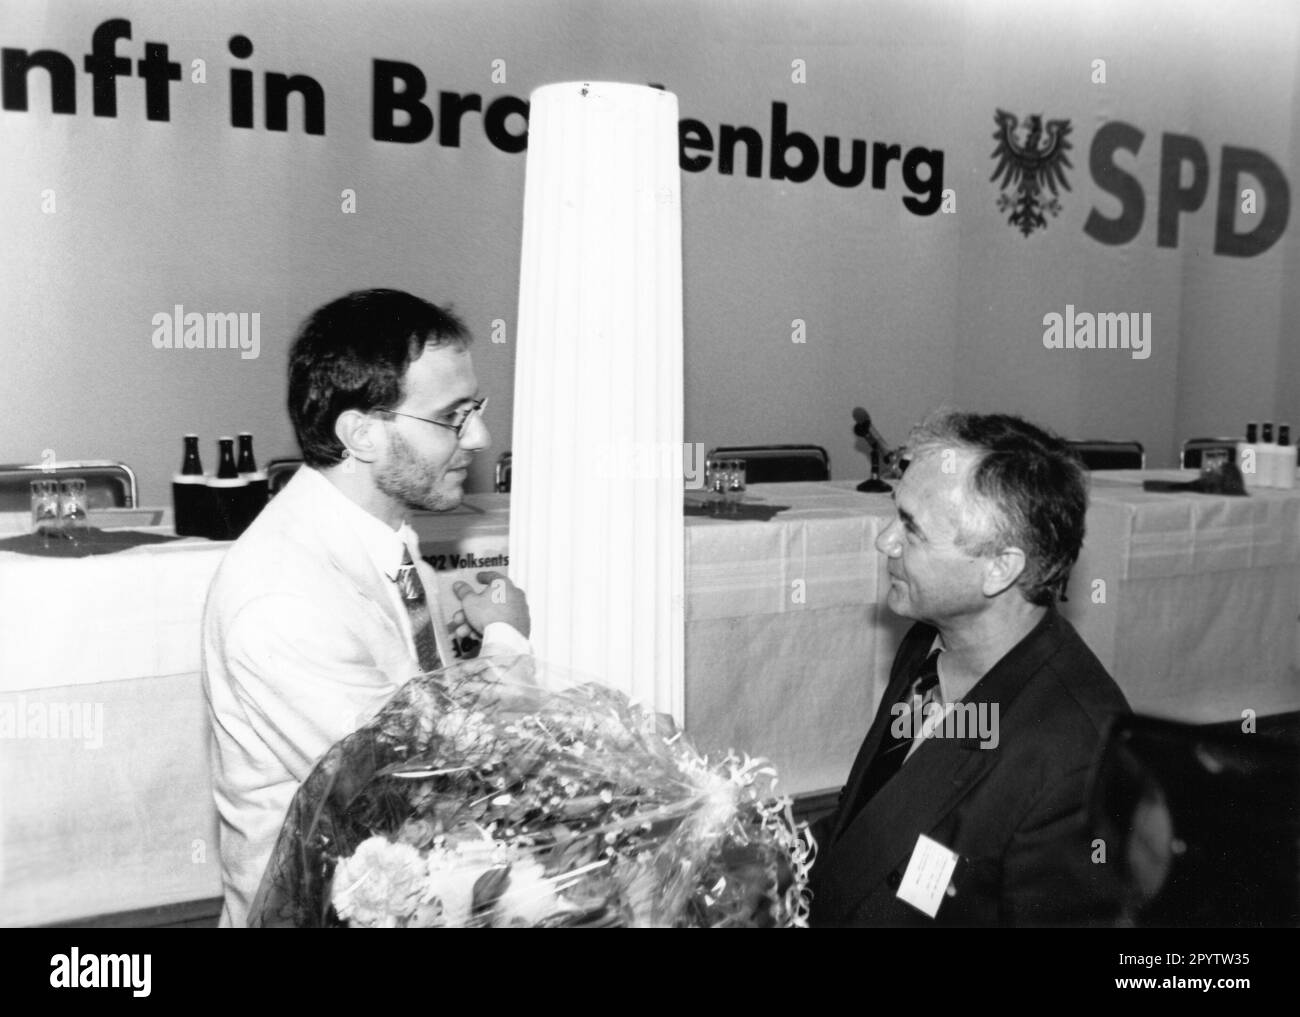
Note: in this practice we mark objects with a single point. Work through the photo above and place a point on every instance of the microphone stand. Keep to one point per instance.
(874, 485)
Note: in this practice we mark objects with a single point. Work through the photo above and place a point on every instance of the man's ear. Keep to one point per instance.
(1003, 570)
(362, 436)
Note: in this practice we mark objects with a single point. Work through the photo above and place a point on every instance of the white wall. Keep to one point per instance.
(902, 312)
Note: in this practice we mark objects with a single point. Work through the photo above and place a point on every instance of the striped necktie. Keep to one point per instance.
(412, 590)
(923, 690)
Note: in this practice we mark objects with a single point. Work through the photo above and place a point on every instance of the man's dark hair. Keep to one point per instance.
(352, 354)
(1027, 490)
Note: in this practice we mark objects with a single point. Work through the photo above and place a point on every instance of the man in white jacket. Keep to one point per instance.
(324, 607)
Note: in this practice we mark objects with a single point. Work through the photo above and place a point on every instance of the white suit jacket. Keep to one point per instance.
(304, 638)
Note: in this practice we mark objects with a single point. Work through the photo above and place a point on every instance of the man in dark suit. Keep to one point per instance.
(965, 804)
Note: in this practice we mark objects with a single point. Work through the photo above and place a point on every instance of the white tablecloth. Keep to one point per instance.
(1192, 600)
(787, 651)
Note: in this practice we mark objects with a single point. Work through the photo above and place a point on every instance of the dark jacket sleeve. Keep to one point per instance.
(1054, 873)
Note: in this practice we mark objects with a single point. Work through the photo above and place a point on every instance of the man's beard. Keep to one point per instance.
(414, 483)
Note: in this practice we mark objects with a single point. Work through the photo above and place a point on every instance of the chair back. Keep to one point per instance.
(778, 464)
(1199, 821)
(279, 472)
(501, 482)
(109, 484)
(1195, 448)
(1109, 455)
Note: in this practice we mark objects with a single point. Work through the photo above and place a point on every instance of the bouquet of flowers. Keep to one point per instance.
(478, 797)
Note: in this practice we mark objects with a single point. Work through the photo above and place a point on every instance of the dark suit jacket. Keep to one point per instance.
(1013, 813)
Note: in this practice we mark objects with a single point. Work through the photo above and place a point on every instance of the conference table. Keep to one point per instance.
(1190, 600)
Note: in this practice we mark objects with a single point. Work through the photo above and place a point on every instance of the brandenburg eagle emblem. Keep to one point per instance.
(1028, 166)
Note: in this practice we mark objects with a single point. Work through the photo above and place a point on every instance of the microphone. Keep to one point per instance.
(864, 429)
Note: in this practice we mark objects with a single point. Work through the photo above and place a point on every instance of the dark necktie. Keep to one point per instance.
(412, 590)
(891, 752)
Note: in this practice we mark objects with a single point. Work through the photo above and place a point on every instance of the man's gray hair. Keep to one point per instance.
(1026, 490)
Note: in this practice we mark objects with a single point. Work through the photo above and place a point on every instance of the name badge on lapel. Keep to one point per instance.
(929, 873)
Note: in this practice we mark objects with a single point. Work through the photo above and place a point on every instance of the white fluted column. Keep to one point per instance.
(596, 491)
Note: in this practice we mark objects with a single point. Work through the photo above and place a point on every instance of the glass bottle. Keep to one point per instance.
(246, 464)
(226, 469)
(191, 465)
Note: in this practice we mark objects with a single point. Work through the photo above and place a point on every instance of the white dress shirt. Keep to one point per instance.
(305, 636)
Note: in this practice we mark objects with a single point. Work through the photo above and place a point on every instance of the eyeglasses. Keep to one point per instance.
(461, 422)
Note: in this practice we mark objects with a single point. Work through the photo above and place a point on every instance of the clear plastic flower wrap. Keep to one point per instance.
(503, 793)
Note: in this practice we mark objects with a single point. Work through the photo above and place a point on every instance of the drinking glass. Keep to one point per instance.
(715, 484)
(735, 492)
(72, 504)
(1213, 460)
(892, 464)
(45, 507)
